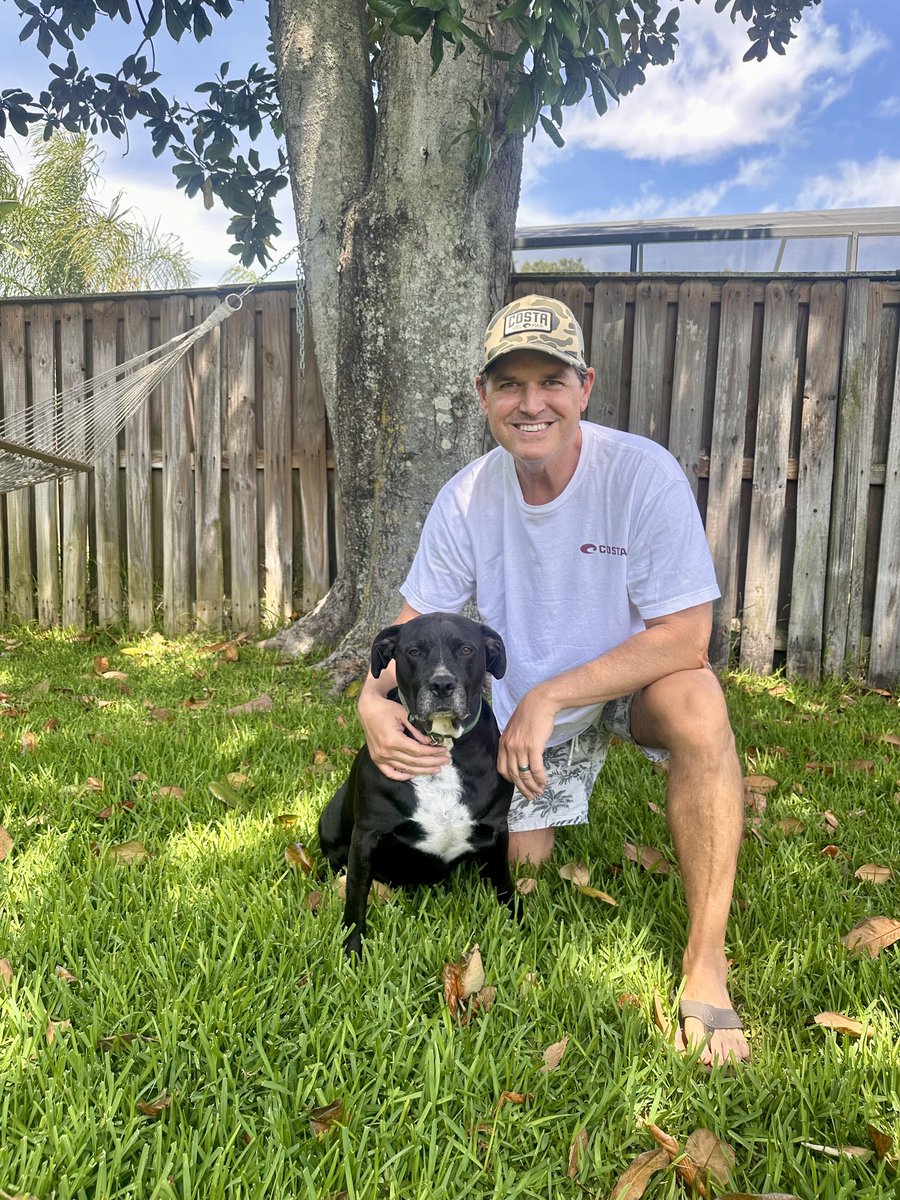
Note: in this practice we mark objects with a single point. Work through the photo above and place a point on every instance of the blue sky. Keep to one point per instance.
(818, 128)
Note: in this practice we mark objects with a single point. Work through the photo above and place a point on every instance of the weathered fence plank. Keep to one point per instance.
(46, 495)
(607, 348)
(138, 489)
(178, 484)
(276, 439)
(814, 480)
(777, 383)
(727, 457)
(650, 312)
(846, 560)
(310, 439)
(691, 352)
(18, 504)
(107, 547)
(240, 439)
(884, 660)
(75, 488)
(208, 470)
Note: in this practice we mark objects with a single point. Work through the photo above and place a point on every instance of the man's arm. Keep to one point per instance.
(676, 642)
(385, 724)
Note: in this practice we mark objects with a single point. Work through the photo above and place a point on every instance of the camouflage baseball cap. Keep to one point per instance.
(535, 323)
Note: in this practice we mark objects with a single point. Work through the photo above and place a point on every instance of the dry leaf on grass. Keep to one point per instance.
(54, 1026)
(93, 784)
(29, 742)
(661, 1019)
(462, 979)
(839, 1151)
(629, 1000)
(841, 1024)
(873, 935)
(883, 1142)
(297, 855)
(759, 783)
(6, 843)
(67, 977)
(225, 792)
(576, 1152)
(576, 873)
(829, 821)
(553, 1055)
(663, 1139)
(648, 858)
(513, 1098)
(263, 703)
(101, 664)
(126, 853)
(791, 825)
(757, 1196)
(322, 1119)
(111, 809)
(154, 1108)
(6, 972)
(526, 885)
(712, 1159)
(873, 873)
(632, 1183)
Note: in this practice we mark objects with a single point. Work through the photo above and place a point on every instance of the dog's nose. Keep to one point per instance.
(442, 686)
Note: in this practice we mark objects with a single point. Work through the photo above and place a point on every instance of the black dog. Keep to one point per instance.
(417, 831)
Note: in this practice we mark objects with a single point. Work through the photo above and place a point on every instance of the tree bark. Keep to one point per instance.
(399, 311)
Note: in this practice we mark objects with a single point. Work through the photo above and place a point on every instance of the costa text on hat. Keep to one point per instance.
(535, 323)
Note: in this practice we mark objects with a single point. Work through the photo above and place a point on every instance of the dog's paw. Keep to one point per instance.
(353, 945)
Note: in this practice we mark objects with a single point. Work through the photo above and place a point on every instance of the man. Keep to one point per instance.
(583, 547)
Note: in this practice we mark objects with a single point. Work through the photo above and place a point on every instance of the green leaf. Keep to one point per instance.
(562, 18)
(552, 132)
(415, 23)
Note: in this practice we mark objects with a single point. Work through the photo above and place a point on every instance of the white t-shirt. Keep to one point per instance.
(564, 582)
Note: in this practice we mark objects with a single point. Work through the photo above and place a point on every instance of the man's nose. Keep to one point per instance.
(531, 398)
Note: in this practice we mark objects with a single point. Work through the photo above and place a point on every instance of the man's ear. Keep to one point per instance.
(494, 652)
(481, 389)
(383, 648)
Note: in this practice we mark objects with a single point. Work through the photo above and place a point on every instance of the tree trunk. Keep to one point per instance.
(423, 263)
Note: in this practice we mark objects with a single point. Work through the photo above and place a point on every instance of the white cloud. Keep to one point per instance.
(889, 107)
(709, 102)
(853, 184)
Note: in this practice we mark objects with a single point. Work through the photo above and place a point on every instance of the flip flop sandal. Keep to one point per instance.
(710, 1017)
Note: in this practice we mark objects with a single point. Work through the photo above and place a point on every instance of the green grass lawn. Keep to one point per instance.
(205, 972)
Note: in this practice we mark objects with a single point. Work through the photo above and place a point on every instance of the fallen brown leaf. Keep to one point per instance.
(760, 783)
(756, 802)
(263, 703)
(461, 979)
(576, 1152)
(891, 739)
(664, 1139)
(288, 818)
(829, 820)
(313, 901)
(791, 825)
(713, 1159)
(873, 935)
(647, 857)
(661, 1018)
(553, 1055)
(632, 1183)
(861, 764)
(883, 1142)
(29, 742)
(238, 779)
(513, 1098)
(322, 1119)
(872, 873)
(175, 792)
(839, 1151)
(51, 724)
(629, 1000)
(842, 1024)
(6, 843)
(67, 977)
(106, 813)
(101, 664)
(126, 853)
(52, 1028)
(834, 852)
(297, 855)
(526, 885)
(6, 972)
(93, 784)
(155, 1107)
(575, 873)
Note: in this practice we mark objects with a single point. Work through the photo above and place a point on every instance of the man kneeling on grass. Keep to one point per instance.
(584, 548)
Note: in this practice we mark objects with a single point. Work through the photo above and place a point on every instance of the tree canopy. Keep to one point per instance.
(552, 53)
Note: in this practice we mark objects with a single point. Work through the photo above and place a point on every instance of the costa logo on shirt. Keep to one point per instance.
(591, 548)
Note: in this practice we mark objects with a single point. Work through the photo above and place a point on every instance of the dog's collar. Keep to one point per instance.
(448, 740)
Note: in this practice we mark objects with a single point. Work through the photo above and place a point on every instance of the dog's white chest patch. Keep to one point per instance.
(444, 818)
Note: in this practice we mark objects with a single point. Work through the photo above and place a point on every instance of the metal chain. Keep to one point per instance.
(236, 299)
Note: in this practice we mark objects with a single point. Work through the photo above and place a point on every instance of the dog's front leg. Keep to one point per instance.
(359, 880)
(496, 867)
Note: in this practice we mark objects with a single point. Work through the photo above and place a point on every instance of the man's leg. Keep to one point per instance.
(685, 713)
(531, 845)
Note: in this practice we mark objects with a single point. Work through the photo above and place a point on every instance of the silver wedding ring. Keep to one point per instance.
(525, 768)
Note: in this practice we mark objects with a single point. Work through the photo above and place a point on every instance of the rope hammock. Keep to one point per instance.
(66, 433)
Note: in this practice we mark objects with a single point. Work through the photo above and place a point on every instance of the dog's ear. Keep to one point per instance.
(494, 652)
(383, 648)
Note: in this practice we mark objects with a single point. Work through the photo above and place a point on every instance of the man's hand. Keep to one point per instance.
(399, 757)
(521, 756)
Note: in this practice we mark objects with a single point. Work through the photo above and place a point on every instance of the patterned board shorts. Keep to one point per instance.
(572, 769)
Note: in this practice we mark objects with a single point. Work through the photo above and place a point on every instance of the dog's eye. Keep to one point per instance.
(465, 651)
(414, 652)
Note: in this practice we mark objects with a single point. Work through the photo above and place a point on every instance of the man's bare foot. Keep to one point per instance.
(533, 846)
(719, 1046)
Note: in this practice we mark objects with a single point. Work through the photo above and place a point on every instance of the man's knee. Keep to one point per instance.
(684, 710)
(531, 845)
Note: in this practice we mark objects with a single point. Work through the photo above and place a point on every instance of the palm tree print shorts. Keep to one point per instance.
(572, 769)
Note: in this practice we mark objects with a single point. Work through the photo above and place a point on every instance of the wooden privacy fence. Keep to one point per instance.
(215, 503)
(218, 504)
